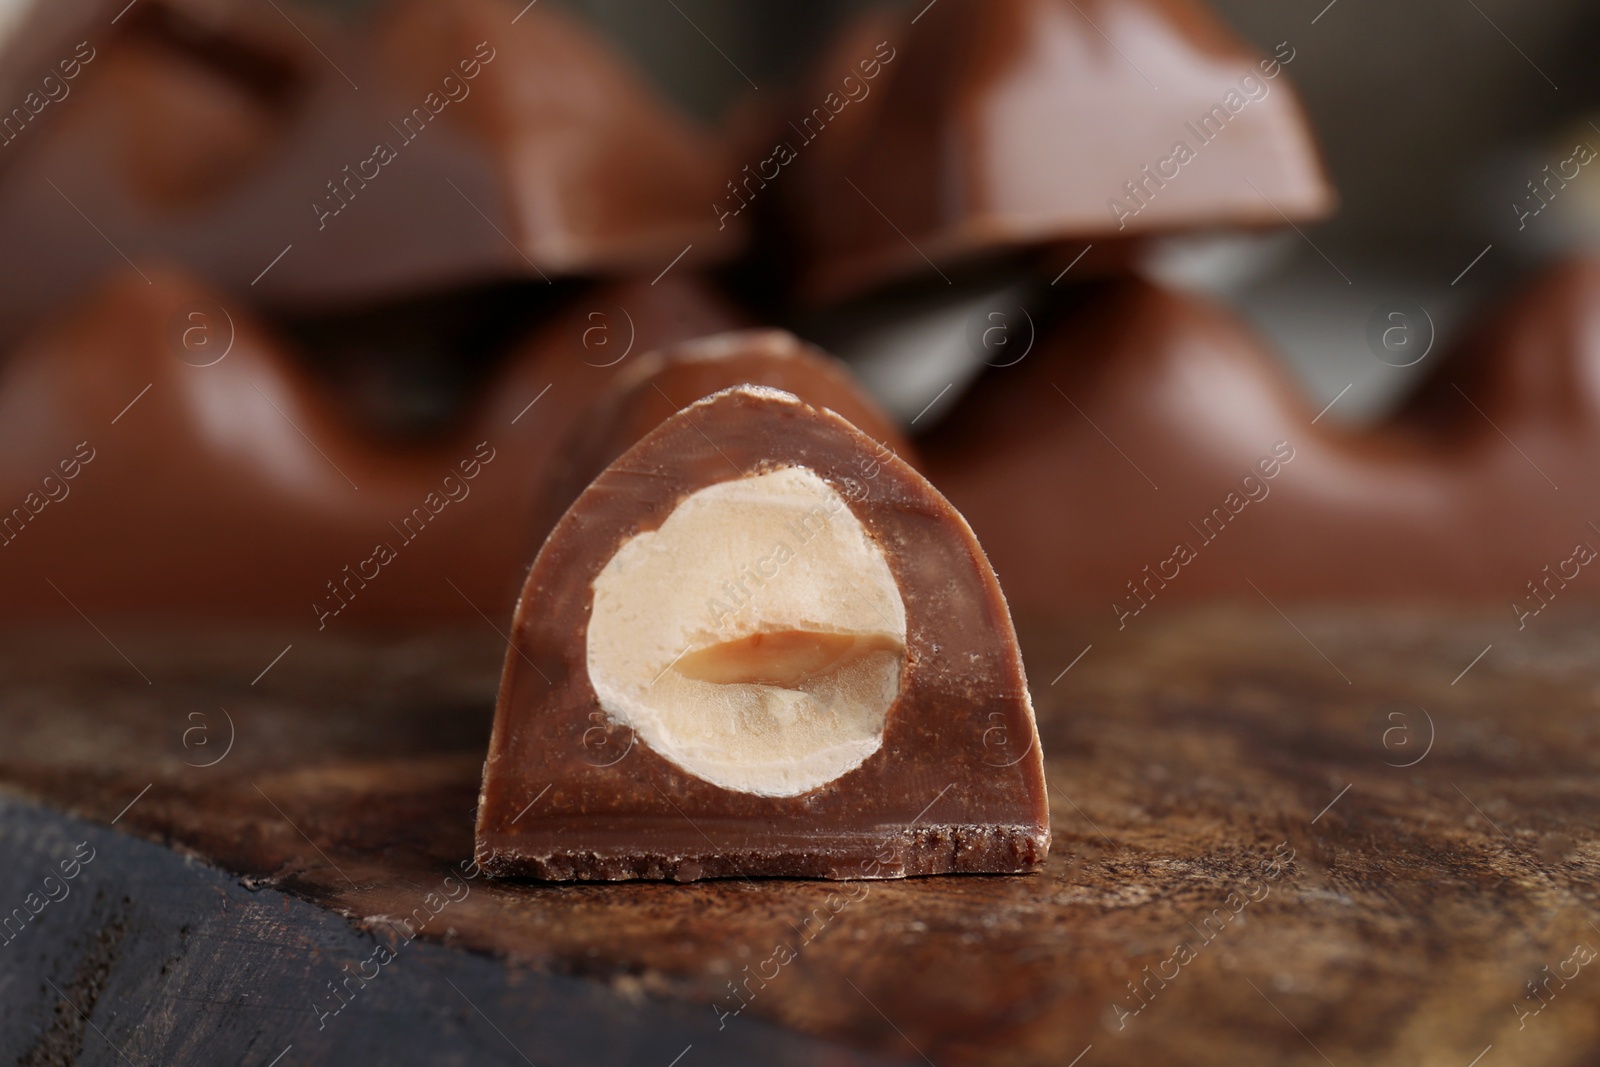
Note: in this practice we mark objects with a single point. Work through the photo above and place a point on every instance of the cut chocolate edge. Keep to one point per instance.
(896, 761)
(664, 381)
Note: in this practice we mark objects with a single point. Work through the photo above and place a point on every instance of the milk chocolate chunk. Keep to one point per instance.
(184, 108)
(664, 381)
(1209, 469)
(473, 150)
(164, 454)
(163, 451)
(753, 647)
(584, 167)
(1530, 365)
(976, 127)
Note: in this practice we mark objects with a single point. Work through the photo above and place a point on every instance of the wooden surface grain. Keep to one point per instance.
(1311, 841)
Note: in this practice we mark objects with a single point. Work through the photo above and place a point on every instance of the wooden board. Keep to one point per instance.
(1285, 842)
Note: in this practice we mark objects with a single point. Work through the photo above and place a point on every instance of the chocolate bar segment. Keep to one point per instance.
(585, 168)
(429, 144)
(1210, 471)
(971, 129)
(755, 646)
(212, 476)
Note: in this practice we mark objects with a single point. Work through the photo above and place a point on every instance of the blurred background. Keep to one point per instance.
(1433, 116)
(476, 275)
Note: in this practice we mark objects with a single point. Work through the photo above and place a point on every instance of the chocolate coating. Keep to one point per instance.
(1132, 429)
(957, 784)
(473, 149)
(238, 490)
(589, 171)
(1012, 124)
(663, 382)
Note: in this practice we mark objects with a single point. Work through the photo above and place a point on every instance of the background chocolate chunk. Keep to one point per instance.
(933, 137)
(1152, 450)
(227, 483)
(418, 145)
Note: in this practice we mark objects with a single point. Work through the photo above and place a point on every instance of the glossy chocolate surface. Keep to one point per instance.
(569, 793)
(224, 483)
(1150, 449)
(427, 144)
(976, 127)
(661, 383)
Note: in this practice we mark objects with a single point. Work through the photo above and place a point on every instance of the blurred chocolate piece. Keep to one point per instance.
(43, 45)
(408, 366)
(222, 484)
(474, 150)
(556, 375)
(970, 130)
(1188, 400)
(753, 646)
(1531, 367)
(225, 484)
(1151, 449)
(170, 111)
(185, 104)
(663, 382)
(584, 167)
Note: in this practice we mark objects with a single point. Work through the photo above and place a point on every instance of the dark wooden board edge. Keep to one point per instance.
(151, 957)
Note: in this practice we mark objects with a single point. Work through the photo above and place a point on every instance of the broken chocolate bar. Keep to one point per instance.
(474, 150)
(754, 647)
(212, 475)
(1131, 387)
(972, 128)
